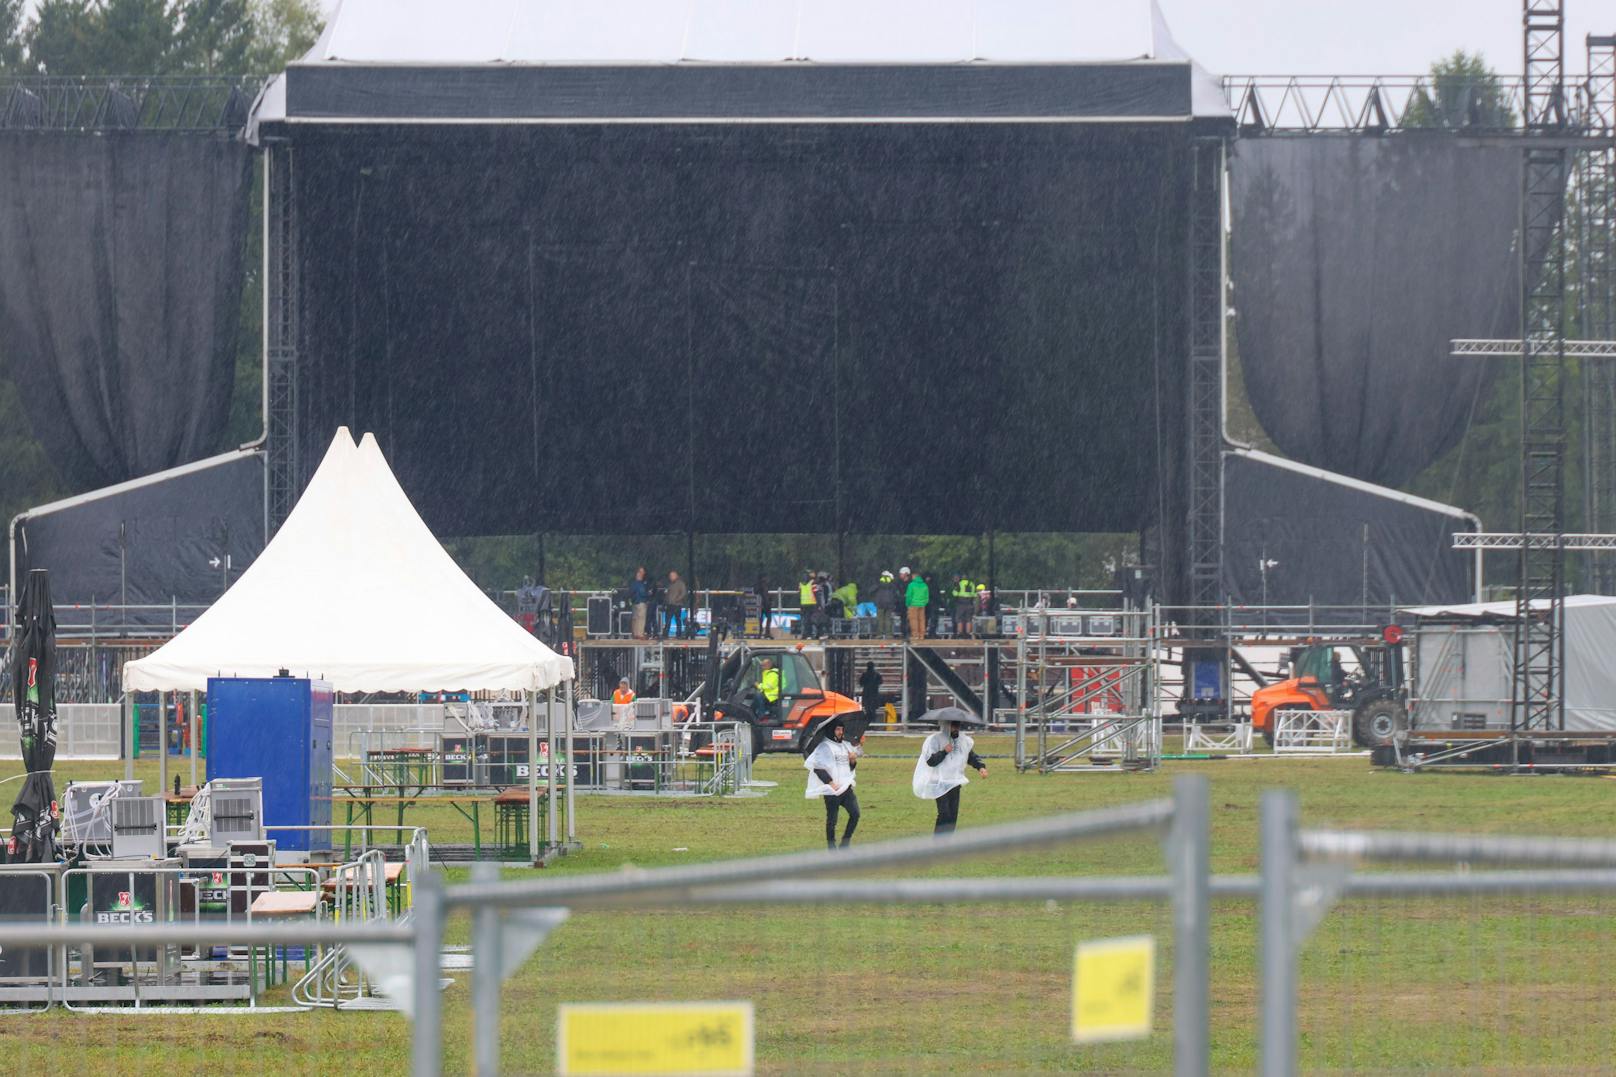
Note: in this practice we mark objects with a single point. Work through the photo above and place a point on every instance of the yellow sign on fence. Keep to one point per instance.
(596, 1039)
(1113, 989)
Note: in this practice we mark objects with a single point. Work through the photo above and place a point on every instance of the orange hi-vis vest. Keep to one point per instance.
(623, 695)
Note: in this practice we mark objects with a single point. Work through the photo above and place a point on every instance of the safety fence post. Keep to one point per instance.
(1189, 864)
(485, 931)
(1276, 921)
(426, 1036)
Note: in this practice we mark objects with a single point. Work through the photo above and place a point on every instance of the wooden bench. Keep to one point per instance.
(281, 905)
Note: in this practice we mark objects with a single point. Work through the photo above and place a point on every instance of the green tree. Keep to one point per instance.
(214, 36)
(1460, 91)
(103, 37)
(11, 43)
(283, 30)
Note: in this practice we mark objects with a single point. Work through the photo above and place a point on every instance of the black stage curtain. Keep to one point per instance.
(1355, 261)
(775, 328)
(1335, 544)
(180, 538)
(120, 289)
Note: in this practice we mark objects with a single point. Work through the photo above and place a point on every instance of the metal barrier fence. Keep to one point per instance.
(1472, 967)
(83, 731)
(501, 909)
(1477, 967)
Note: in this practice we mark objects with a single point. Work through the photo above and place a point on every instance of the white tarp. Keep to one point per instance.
(743, 31)
(1462, 663)
(355, 590)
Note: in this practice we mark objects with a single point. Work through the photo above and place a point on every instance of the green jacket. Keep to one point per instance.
(918, 593)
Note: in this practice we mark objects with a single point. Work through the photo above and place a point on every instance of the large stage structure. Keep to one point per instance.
(835, 276)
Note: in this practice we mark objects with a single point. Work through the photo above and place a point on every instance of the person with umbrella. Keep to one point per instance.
(831, 759)
(940, 770)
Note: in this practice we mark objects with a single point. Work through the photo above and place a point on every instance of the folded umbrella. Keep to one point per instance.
(33, 690)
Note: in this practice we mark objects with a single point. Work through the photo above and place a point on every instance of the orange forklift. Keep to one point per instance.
(803, 704)
(1376, 691)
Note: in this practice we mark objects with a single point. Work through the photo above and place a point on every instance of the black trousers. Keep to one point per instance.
(947, 811)
(848, 800)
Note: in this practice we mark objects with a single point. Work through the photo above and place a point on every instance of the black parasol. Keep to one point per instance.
(943, 715)
(34, 816)
(856, 723)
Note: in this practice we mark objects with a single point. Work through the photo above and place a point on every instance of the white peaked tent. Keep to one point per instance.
(355, 590)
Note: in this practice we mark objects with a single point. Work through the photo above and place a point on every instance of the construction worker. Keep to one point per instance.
(886, 605)
(964, 607)
(808, 600)
(623, 705)
(768, 691)
(916, 597)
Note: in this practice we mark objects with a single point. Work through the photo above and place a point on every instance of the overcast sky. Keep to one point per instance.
(1352, 37)
(1374, 37)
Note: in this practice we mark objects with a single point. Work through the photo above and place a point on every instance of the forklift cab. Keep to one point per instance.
(799, 684)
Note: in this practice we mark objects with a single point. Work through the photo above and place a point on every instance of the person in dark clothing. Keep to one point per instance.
(888, 605)
(830, 776)
(765, 609)
(940, 772)
(870, 690)
(639, 596)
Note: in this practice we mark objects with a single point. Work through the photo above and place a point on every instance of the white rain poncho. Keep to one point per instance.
(932, 782)
(835, 758)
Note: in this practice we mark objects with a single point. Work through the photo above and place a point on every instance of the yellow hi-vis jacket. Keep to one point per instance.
(769, 685)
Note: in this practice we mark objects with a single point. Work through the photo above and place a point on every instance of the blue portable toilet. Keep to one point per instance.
(278, 729)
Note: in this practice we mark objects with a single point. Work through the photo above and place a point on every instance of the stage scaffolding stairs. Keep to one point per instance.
(933, 664)
(1089, 703)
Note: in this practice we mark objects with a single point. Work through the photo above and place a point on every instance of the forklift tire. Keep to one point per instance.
(1377, 723)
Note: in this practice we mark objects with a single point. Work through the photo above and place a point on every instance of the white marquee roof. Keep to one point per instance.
(355, 590)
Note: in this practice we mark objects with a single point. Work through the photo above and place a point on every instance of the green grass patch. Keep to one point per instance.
(1428, 983)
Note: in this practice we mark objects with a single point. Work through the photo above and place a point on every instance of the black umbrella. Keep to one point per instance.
(855, 722)
(33, 690)
(943, 715)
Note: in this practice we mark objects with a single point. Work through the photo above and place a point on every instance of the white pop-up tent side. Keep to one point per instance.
(1463, 655)
(355, 590)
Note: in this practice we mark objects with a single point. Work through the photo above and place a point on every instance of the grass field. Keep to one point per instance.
(1481, 984)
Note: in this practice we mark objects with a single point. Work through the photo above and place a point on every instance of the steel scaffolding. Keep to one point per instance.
(1537, 668)
(128, 103)
(282, 332)
(1208, 276)
(1596, 250)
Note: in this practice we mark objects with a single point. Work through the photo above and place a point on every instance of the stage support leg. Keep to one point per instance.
(572, 766)
(553, 782)
(533, 778)
(196, 728)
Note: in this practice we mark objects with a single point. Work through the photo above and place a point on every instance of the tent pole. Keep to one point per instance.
(163, 701)
(129, 735)
(195, 727)
(572, 766)
(533, 777)
(555, 770)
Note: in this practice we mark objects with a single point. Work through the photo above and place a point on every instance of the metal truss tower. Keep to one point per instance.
(1537, 675)
(1596, 258)
(1207, 303)
(282, 336)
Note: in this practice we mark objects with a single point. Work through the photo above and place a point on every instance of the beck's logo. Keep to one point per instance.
(126, 910)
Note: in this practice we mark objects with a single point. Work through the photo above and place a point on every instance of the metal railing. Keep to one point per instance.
(1182, 824)
(1462, 951)
(1312, 883)
(182, 103)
